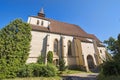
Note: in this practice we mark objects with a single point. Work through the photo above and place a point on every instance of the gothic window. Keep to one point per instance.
(100, 51)
(56, 46)
(41, 23)
(37, 22)
(69, 48)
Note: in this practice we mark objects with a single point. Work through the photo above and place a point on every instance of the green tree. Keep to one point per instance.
(112, 67)
(50, 57)
(14, 47)
(113, 46)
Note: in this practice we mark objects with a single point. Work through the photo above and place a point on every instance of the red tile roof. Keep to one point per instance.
(63, 28)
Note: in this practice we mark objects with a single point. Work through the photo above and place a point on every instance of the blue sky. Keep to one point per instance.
(99, 17)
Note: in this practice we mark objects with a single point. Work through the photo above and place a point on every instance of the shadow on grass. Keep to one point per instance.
(89, 77)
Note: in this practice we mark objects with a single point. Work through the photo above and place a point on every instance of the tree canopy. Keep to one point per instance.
(113, 45)
(112, 67)
(14, 47)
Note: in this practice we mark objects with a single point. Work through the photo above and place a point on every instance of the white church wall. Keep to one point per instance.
(65, 42)
(102, 52)
(88, 49)
(33, 21)
(37, 47)
(39, 44)
(66, 39)
(52, 38)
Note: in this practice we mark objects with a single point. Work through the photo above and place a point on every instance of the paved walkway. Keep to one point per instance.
(81, 76)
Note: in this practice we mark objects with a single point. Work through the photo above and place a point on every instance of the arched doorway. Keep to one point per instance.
(56, 62)
(90, 62)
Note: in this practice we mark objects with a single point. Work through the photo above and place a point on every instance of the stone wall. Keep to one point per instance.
(42, 42)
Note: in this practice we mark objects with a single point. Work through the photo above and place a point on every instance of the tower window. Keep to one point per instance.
(100, 51)
(38, 22)
(42, 23)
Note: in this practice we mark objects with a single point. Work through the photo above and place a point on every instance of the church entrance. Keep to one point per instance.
(56, 62)
(90, 62)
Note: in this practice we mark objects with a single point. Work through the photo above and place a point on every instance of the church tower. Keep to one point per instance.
(39, 20)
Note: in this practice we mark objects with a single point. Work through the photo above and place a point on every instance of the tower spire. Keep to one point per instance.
(41, 13)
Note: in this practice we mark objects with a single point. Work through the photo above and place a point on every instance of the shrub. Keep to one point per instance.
(62, 66)
(111, 68)
(25, 71)
(37, 70)
(103, 77)
(40, 60)
(52, 70)
(50, 57)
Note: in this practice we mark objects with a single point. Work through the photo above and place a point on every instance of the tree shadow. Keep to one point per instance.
(89, 77)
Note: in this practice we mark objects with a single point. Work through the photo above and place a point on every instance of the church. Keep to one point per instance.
(78, 48)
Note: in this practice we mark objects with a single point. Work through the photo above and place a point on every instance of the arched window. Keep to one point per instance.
(37, 22)
(69, 48)
(56, 62)
(100, 51)
(42, 23)
(56, 46)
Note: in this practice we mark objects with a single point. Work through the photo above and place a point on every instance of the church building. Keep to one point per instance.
(78, 48)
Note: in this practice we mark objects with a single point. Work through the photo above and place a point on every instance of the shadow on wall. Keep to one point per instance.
(43, 51)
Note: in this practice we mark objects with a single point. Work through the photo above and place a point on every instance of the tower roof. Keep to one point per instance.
(41, 13)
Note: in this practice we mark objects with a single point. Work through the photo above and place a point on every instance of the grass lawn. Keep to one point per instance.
(50, 78)
(72, 72)
(37, 78)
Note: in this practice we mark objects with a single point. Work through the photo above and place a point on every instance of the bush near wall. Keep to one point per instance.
(41, 60)
(62, 66)
(37, 70)
(50, 57)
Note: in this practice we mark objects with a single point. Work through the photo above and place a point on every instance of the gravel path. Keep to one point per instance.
(81, 76)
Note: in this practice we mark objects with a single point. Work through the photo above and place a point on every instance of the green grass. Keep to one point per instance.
(50, 78)
(71, 72)
(37, 78)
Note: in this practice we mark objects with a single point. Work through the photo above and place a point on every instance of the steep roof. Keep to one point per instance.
(94, 37)
(63, 28)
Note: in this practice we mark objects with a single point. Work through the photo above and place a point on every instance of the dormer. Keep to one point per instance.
(39, 20)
